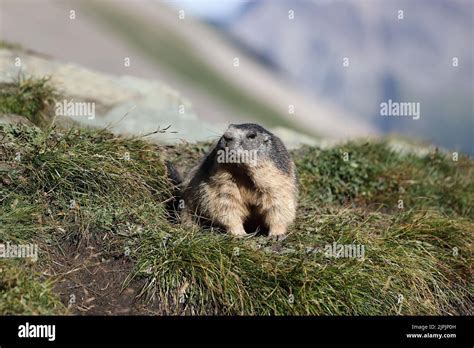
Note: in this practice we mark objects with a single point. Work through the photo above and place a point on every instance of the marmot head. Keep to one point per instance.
(245, 143)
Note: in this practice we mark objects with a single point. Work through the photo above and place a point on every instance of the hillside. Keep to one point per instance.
(95, 204)
(187, 54)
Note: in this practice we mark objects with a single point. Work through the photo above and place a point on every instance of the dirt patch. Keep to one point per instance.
(91, 282)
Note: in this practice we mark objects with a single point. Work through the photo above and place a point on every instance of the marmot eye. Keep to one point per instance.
(252, 135)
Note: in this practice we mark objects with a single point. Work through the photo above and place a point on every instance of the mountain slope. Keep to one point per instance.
(409, 59)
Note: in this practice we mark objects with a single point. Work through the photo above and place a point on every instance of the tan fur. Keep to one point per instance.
(230, 197)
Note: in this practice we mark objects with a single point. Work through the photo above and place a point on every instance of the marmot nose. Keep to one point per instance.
(228, 137)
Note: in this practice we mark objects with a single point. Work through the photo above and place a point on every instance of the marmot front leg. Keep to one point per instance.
(227, 208)
(277, 230)
(237, 230)
(230, 217)
(279, 216)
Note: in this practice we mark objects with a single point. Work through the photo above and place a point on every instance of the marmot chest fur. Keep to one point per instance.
(246, 182)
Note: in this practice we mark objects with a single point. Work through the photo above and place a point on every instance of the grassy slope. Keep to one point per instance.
(77, 187)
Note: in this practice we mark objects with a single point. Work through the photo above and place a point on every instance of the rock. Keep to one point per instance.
(14, 119)
(130, 105)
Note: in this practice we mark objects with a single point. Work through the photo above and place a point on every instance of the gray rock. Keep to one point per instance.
(126, 104)
(14, 119)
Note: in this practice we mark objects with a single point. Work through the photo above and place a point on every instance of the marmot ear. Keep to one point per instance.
(266, 137)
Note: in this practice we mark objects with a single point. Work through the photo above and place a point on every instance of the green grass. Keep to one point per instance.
(23, 291)
(371, 173)
(10, 45)
(75, 186)
(32, 98)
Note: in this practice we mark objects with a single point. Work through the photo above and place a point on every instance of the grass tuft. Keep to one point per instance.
(22, 291)
(32, 98)
(89, 187)
(372, 173)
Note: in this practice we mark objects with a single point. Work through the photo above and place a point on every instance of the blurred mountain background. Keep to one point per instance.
(407, 59)
(290, 72)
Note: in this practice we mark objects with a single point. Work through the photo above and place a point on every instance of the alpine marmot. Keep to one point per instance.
(246, 183)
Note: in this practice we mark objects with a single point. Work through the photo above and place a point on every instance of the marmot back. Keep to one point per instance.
(247, 181)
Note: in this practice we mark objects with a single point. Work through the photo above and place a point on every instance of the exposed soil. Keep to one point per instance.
(90, 281)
